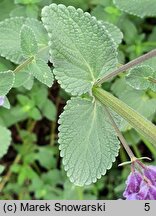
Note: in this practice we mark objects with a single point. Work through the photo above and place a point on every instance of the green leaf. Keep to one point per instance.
(28, 42)
(87, 140)
(49, 110)
(114, 31)
(40, 70)
(6, 82)
(138, 100)
(1, 170)
(6, 6)
(142, 78)
(49, 161)
(141, 8)
(21, 78)
(5, 140)
(6, 103)
(10, 37)
(150, 62)
(35, 114)
(80, 47)
(27, 1)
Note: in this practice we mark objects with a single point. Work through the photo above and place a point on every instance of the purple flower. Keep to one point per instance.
(133, 183)
(141, 186)
(150, 173)
(1, 100)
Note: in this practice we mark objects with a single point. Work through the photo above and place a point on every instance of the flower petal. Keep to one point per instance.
(150, 173)
(133, 184)
(1, 100)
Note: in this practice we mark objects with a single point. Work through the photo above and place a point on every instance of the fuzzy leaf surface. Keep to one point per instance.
(6, 82)
(114, 31)
(10, 37)
(87, 141)
(80, 47)
(142, 78)
(28, 42)
(5, 140)
(40, 70)
(141, 8)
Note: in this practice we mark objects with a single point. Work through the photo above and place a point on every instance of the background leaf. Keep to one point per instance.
(6, 82)
(87, 140)
(141, 78)
(5, 140)
(138, 100)
(81, 49)
(140, 8)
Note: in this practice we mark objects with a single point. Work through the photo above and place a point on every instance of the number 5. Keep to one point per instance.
(147, 207)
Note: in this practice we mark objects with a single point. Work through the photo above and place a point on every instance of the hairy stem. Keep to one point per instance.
(121, 137)
(127, 66)
(28, 61)
(141, 124)
(152, 80)
(24, 64)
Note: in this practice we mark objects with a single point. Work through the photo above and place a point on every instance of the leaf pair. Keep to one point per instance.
(25, 39)
(82, 51)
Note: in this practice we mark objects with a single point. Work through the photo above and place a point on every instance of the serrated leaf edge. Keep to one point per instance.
(59, 141)
(101, 25)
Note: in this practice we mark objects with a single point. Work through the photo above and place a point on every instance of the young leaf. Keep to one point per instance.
(5, 140)
(4, 102)
(21, 78)
(141, 8)
(40, 70)
(49, 110)
(28, 42)
(80, 47)
(10, 37)
(142, 78)
(87, 140)
(6, 82)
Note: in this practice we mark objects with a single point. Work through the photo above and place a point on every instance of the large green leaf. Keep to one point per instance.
(5, 140)
(6, 82)
(142, 78)
(81, 49)
(140, 8)
(10, 37)
(87, 140)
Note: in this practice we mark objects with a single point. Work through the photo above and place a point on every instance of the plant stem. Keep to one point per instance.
(127, 66)
(152, 80)
(141, 124)
(9, 173)
(28, 61)
(119, 134)
(17, 159)
(25, 63)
